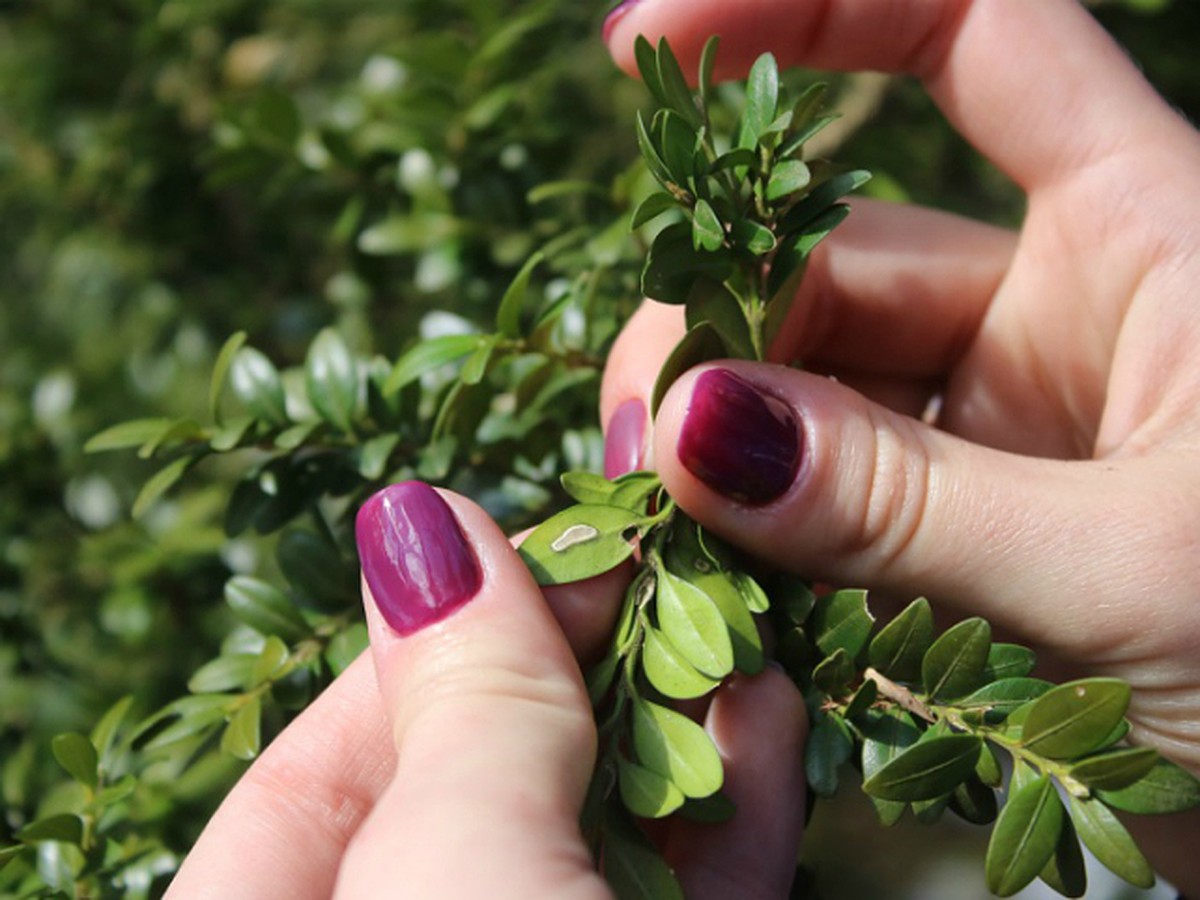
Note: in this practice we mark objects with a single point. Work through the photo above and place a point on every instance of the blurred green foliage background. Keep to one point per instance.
(175, 171)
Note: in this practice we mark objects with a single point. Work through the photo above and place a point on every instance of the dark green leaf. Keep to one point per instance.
(694, 625)
(1025, 837)
(897, 650)
(677, 142)
(1009, 661)
(633, 867)
(927, 812)
(77, 756)
(674, 265)
(265, 608)
(646, 794)
(221, 372)
(834, 673)
(800, 136)
(864, 697)
(674, 85)
(678, 749)
(953, 666)
(795, 598)
(701, 344)
(600, 677)
(1075, 718)
(633, 491)
(315, 570)
(647, 63)
(8, 854)
(794, 248)
(974, 802)
(651, 208)
(1065, 871)
(159, 483)
(842, 620)
(805, 213)
(1166, 788)
(243, 735)
(885, 736)
(737, 158)
(671, 673)
(1109, 841)
(256, 383)
(427, 356)
(708, 58)
(716, 809)
(762, 98)
(786, 178)
(1114, 769)
(331, 375)
(829, 746)
(1005, 695)
(754, 238)
(508, 314)
(580, 542)
(707, 231)
(64, 827)
(713, 302)
(926, 770)
(654, 161)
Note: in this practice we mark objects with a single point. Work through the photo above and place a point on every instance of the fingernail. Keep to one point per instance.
(624, 439)
(739, 441)
(616, 15)
(415, 558)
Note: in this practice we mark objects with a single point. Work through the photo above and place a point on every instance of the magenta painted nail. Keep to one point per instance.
(739, 441)
(616, 15)
(624, 440)
(414, 556)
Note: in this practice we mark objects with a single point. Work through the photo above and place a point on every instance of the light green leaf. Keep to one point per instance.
(228, 671)
(953, 666)
(651, 208)
(671, 673)
(104, 734)
(897, 650)
(786, 178)
(508, 314)
(707, 231)
(1025, 837)
(1115, 769)
(1109, 841)
(221, 371)
(988, 768)
(195, 714)
(269, 661)
(477, 364)
(580, 542)
(133, 433)
(694, 625)
(427, 356)
(724, 590)
(265, 608)
(708, 58)
(256, 383)
(243, 735)
(675, 747)
(345, 647)
(842, 620)
(928, 769)
(753, 595)
(159, 483)
(1166, 788)
(373, 455)
(332, 379)
(762, 98)
(587, 487)
(1075, 718)
(646, 794)
(76, 754)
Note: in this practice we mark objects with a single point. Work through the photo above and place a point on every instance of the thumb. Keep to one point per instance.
(493, 730)
(808, 474)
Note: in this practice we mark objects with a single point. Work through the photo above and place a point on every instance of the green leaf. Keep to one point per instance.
(677, 141)
(1009, 661)
(897, 650)
(1166, 788)
(77, 756)
(195, 714)
(673, 265)
(427, 356)
(651, 208)
(700, 344)
(801, 135)
(65, 827)
(221, 371)
(587, 487)
(694, 625)
(508, 314)
(649, 150)
(707, 231)
(762, 98)
(708, 58)
(228, 671)
(834, 673)
(580, 542)
(104, 733)
(269, 661)
(1065, 871)
(1005, 695)
(715, 809)
(633, 867)
(374, 455)
(864, 697)
(885, 736)
(231, 434)
(647, 62)
(256, 383)
(753, 237)
(842, 620)
(133, 433)
(786, 178)
(987, 769)
(1115, 769)
(737, 158)
(1109, 842)
(8, 854)
(159, 483)
(788, 266)
(1075, 718)
(1025, 837)
(331, 375)
(476, 366)
(645, 793)
(674, 86)
(927, 769)
(600, 677)
(243, 735)
(818, 202)
(953, 666)
(723, 589)
(670, 671)
(265, 608)
(974, 802)
(753, 595)
(829, 746)
(713, 302)
(316, 571)
(678, 749)
(345, 647)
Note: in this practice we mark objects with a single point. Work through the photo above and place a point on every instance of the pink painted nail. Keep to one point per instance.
(624, 440)
(616, 15)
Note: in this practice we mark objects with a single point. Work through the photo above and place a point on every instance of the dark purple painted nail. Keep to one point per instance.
(624, 439)
(740, 442)
(414, 556)
(615, 16)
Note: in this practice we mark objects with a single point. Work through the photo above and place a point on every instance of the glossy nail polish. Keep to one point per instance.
(414, 556)
(739, 441)
(624, 440)
(615, 16)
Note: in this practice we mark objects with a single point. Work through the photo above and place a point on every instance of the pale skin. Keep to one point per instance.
(1057, 496)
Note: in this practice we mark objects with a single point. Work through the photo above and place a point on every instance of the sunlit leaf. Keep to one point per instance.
(897, 650)
(645, 793)
(1108, 840)
(1075, 718)
(580, 542)
(675, 747)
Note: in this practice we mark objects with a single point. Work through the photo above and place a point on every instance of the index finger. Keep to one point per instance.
(1036, 85)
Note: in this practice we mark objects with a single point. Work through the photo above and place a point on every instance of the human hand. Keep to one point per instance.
(456, 765)
(1058, 495)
